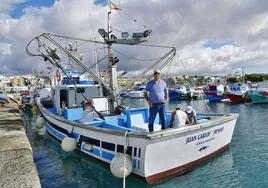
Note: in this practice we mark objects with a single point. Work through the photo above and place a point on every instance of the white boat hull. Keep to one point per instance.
(156, 155)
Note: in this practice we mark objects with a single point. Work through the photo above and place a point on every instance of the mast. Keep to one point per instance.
(112, 68)
(243, 75)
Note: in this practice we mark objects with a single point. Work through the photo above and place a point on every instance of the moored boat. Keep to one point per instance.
(89, 117)
(238, 93)
(198, 93)
(185, 92)
(3, 98)
(136, 93)
(214, 92)
(260, 94)
(173, 94)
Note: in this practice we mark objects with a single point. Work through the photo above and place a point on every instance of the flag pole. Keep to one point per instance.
(109, 23)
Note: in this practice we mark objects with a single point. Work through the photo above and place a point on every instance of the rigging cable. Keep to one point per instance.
(59, 66)
(148, 77)
(153, 59)
(209, 110)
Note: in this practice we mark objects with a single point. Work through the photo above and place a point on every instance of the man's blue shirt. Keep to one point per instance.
(156, 90)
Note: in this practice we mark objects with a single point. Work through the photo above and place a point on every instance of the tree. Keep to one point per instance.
(231, 80)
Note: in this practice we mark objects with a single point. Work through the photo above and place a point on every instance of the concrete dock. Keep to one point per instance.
(17, 168)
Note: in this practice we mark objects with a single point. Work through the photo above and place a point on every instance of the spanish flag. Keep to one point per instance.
(114, 6)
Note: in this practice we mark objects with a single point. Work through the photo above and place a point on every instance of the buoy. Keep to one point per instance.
(40, 122)
(68, 144)
(117, 165)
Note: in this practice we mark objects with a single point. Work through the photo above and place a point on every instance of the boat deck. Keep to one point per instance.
(135, 120)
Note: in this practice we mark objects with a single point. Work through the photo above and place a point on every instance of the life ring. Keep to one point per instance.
(58, 77)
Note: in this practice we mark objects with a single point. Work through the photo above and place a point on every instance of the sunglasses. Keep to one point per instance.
(156, 73)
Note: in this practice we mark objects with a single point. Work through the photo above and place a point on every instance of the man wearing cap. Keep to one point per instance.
(157, 99)
(191, 114)
(178, 118)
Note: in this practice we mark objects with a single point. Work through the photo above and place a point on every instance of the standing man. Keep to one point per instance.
(157, 99)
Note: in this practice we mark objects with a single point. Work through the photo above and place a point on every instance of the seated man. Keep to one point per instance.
(191, 114)
(179, 118)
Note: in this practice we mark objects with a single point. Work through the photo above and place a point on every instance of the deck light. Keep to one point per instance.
(147, 33)
(124, 35)
(115, 60)
(103, 33)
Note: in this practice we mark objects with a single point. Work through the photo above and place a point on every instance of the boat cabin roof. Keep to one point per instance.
(263, 85)
(77, 85)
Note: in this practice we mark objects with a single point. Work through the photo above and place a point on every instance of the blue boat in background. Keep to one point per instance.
(214, 92)
(180, 92)
(3, 98)
(173, 94)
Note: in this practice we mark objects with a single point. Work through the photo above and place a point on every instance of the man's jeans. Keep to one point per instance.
(157, 108)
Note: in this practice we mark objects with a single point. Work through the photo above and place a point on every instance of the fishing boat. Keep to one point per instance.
(172, 88)
(185, 92)
(180, 92)
(3, 98)
(238, 93)
(214, 92)
(260, 94)
(198, 93)
(89, 117)
(173, 94)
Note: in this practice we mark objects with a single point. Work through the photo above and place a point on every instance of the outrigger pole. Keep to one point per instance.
(46, 35)
(111, 89)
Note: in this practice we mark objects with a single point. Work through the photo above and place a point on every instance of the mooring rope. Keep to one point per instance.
(124, 167)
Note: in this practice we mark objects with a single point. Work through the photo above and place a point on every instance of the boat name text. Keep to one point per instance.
(203, 135)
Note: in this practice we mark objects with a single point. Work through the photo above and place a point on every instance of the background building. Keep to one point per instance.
(17, 81)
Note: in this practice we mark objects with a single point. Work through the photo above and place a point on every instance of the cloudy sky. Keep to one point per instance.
(211, 37)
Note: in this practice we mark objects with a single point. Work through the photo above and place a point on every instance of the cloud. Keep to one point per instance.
(187, 25)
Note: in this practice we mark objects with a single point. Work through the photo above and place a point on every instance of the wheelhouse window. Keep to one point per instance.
(63, 96)
(80, 90)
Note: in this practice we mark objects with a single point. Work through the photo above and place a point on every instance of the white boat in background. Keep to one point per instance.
(198, 93)
(136, 93)
(87, 116)
(185, 92)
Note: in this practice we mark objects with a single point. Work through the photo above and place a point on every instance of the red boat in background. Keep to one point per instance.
(24, 93)
(238, 93)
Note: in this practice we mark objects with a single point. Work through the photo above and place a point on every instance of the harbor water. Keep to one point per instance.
(243, 164)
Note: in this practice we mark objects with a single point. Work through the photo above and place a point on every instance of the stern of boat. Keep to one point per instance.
(175, 151)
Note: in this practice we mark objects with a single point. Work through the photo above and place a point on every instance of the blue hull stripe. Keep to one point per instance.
(95, 151)
(55, 132)
(56, 127)
(134, 163)
(107, 155)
